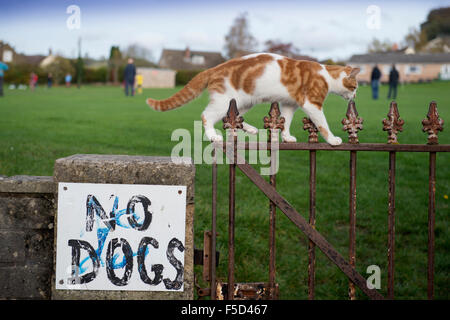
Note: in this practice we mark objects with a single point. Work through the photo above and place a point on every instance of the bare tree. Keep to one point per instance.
(239, 41)
(138, 51)
(416, 39)
(115, 61)
(379, 46)
(285, 49)
(59, 68)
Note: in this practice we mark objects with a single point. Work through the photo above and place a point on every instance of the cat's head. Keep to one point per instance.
(349, 83)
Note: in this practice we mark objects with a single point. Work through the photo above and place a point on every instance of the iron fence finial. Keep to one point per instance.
(274, 121)
(393, 124)
(432, 124)
(232, 120)
(353, 123)
(312, 129)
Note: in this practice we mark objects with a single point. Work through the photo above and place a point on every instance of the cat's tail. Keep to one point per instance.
(191, 91)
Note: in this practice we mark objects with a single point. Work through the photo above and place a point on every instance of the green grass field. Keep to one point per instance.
(39, 127)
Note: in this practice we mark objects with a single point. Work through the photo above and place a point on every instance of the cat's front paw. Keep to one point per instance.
(288, 138)
(216, 138)
(249, 129)
(334, 141)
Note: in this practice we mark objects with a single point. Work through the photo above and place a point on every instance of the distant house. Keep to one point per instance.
(9, 55)
(412, 67)
(189, 60)
(156, 78)
(48, 60)
(438, 44)
(239, 54)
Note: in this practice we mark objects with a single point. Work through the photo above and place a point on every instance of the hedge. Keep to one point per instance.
(184, 76)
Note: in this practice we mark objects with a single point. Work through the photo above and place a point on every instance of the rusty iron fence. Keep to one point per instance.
(352, 124)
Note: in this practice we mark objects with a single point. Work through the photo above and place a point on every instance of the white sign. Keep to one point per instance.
(120, 237)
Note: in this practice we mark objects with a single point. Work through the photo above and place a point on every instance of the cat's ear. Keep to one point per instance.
(354, 72)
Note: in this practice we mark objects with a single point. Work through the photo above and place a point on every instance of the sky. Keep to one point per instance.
(319, 28)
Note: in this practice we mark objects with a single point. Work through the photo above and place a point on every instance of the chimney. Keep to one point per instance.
(187, 53)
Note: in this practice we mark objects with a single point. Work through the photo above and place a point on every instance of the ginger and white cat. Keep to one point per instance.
(266, 77)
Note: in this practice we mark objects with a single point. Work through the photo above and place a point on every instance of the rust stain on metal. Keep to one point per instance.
(247, 291)
(203, 292)
(353, 123)
(309, 125)
(206, 256)
(391, 224)
(431, 223)
(213, 224)
(393, 124)
(232, 120)
(274, 121)
(305, 227)
(312, 222)
(432, 124)
(352, 220)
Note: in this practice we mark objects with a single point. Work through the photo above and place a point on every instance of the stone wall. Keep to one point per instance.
(26, 237)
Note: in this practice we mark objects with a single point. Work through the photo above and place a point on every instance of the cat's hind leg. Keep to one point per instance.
(317, 116)
(210, 131)
(210, 116)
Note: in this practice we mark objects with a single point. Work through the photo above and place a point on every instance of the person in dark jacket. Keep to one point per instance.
(49, 80)
(128, 77)
(375, 81)
(393, 82)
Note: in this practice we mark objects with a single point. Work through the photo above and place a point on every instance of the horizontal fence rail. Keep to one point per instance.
(352, 124)
(342, 147)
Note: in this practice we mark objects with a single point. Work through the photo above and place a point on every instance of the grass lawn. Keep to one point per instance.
(39, 127)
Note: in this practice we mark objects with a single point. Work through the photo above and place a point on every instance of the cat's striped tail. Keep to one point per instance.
(191, 91)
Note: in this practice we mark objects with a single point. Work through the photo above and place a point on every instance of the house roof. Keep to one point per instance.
(183, 59)
(396, 57)
(33, 60)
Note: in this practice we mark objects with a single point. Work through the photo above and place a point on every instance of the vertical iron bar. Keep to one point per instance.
(393, 125)
(312, 222)
(231, 213)
(274, 123)
(433, 124)
(352, 214)
(431, 223)
(232, 121)
(352, 124)
(391, 225)
(272, 219)
(213, 227)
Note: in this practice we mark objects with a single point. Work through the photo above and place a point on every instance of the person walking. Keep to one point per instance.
(394, 77)
(139, 82)
(49, 80)
(375, 81)
(33, 80)
(129, 75)
(68, 80)
(3, 67)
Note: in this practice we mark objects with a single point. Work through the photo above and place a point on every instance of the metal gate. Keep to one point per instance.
(352, 124)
